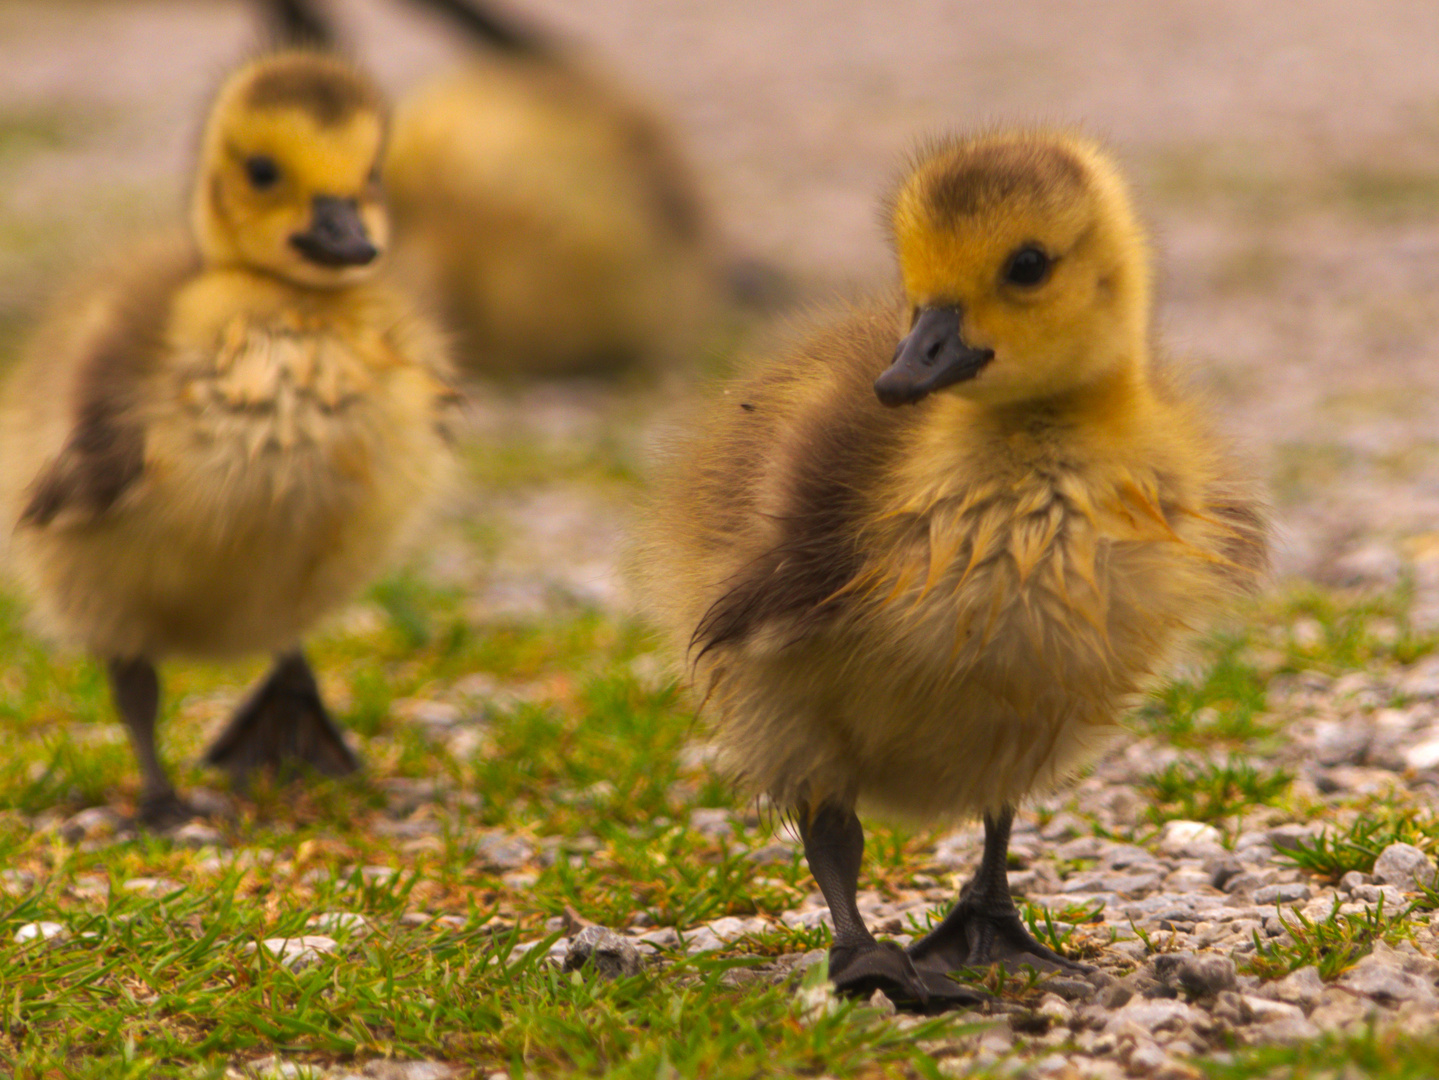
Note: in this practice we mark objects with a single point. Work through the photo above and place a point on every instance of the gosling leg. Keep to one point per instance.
(984, 927)
(135, 689)
(282, 723)
(859, 964)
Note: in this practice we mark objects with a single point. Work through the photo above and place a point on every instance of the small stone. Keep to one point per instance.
(520, 880)
(1291, 893)
(1302, 987)
(1056, 1010)
(41, 931)
(1207, 974)
(1056, 1065)
(666, 937)
(1373, 563)
(340, 924)
(17, 881)
(1353, 879)
(1152, 1014)
(196, 834)
(1404, 865)
(1340, 1013)
(207, 802)
(1147, 1060)
(880, 1001)
(1292, 1030)
(378, 875)
(807, 920)
(730, 928)
(297, 953)
(1177, 836)
(1069, 989)
(409, 1070)
(1288, 837)
(147, 886)
(711, 821)
(701, 939)
(1265, 1011)
(93, 823)
(1375, 978)
(604, 952)
(1391, 896)
(817, 1001)
(1424, 755)
(504, 851)
(774, 854)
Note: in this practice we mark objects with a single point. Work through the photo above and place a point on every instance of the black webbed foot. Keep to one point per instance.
(972, 937)
(283, 723)
(858, 971)
(164, 811)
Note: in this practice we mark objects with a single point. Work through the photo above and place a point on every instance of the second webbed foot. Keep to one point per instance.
(858, 971)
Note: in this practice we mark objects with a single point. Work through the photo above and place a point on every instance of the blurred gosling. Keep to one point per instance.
(228, 438)
(548, 214)
(939, 610)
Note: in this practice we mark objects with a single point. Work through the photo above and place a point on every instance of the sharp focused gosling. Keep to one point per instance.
(938, 610)
(228, 439)
(546, 213)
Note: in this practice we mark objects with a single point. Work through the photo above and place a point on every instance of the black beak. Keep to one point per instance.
(933, 356)
(336, 236)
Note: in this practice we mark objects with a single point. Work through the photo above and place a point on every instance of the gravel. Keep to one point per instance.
(601, 951)
(1405, 867)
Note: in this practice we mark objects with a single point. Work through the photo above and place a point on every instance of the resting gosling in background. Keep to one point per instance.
(548, 214)
(220, 445)
(939, 610)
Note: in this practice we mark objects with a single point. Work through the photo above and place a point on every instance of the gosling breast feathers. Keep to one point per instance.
(229, 436)
(940, 609)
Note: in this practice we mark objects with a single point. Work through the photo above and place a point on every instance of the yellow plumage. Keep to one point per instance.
(550, 217)
(939, 610)
(212, 449)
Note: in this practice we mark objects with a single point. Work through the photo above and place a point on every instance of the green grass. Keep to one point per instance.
(1332, 944)
(1390, 1055)
(1202, 791)
(574, 762)
(580, 757)
(1335, 852)
(580, 760)
(1223, 705)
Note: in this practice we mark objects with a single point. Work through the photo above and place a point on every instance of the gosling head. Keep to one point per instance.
(1025, 270)
(289, 172)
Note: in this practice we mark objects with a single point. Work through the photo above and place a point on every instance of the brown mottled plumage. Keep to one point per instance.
(225, 439)
(939, 610)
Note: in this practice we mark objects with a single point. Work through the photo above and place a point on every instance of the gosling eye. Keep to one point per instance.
(262, 171)
(1029, 266)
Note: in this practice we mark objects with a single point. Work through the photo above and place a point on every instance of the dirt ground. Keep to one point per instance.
(1287, 157)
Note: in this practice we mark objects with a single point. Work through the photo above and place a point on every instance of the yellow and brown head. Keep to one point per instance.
(1026, 271)
(289, 171)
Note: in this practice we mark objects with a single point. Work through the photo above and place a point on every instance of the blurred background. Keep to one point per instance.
(1286, 157)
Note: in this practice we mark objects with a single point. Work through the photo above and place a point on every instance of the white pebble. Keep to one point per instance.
(41, 931)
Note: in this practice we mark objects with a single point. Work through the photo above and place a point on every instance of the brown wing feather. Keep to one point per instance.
(105, 452)
(828, 455)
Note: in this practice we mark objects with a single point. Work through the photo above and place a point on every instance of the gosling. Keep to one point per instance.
(546, 213)
(229, 437)
(940, 610)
